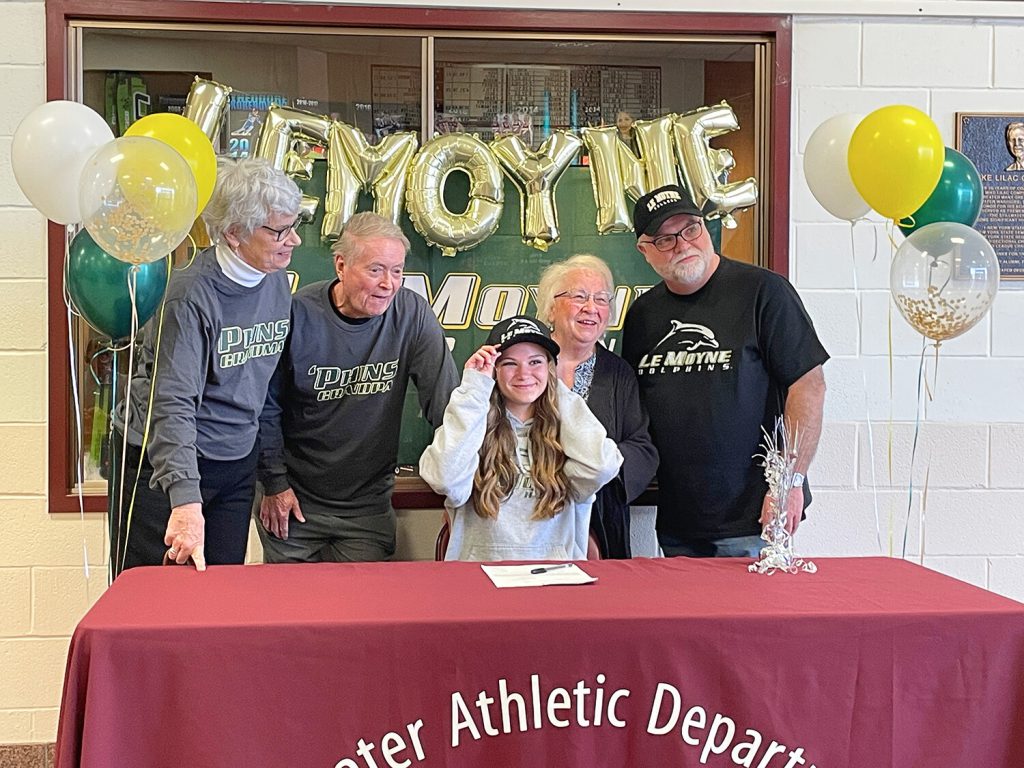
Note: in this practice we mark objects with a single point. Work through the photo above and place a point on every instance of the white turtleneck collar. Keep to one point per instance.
(237, 270)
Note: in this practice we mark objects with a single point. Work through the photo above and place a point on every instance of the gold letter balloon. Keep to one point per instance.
(703, 166)
(668, 148)
(354, 165)
(614, 173)
(535, 175)
(207, 101)
(435, 162)
(281, 131)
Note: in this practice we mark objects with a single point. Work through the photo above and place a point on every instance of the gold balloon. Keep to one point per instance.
(283, 130)
(205, 106)
(655, 140)
(438, 158)
(535, 175)
(354, 165)
(298, 163)
(701, 165)
(614, 173)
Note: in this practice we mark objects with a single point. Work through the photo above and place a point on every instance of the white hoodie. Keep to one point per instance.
(450, 462)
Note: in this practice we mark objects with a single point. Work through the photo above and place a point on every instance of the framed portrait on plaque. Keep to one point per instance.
(994, 142)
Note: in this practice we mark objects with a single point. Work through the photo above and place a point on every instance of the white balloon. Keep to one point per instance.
(827, 171)
(51, 146)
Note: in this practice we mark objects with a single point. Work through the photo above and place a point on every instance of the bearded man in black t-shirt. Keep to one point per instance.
(721, 350)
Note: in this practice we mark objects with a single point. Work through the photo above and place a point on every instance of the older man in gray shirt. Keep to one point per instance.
(330, 431)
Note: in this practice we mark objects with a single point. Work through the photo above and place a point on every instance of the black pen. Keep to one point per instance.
(547, 568)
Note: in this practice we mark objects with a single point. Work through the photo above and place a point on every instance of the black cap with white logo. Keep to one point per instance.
(651, 210)
(520, 328)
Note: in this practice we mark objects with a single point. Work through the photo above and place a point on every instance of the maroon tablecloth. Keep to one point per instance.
(870, 662)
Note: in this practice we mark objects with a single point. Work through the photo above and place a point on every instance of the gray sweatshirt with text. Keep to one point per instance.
(334, 414)
(219, 343)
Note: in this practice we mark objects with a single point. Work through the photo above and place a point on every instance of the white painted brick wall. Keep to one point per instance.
(23, 315)
(833, 312)
(928, 55)
(836, 463)
(973, 570)
(23, 34)
(15, 609)
(10, 194)
(951, 455)
(844, 524)
(820, 61)
(967, 523)
(1008, 323)
(1006, 576)
(21, 87)
(984, 390)
(1008, 49)
(824, 255)
(24, 231)
(22, 379)
(1006, 456)
(851, 379)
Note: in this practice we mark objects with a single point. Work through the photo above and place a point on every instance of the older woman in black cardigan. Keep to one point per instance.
(575, 297)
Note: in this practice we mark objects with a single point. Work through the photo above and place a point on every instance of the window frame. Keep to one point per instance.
(61, 14)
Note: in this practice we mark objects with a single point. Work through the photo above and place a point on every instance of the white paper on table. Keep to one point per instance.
(504, 576)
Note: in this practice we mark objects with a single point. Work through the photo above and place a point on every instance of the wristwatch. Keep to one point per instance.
(798, 480)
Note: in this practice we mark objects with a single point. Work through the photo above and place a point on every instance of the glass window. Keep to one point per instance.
(432, 84)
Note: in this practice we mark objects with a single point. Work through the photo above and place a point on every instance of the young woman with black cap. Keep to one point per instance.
(518, 457)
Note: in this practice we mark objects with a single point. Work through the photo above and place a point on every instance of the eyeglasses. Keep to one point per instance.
(579, 298)
(668, 242)
(283, 232)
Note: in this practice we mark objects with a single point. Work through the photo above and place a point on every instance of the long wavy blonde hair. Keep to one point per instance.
(497, 473)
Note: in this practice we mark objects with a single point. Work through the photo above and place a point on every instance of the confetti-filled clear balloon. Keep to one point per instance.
(944, 278)
(138, 199)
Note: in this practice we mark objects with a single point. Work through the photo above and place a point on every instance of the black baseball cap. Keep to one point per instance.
(655, 207)
(520, 328)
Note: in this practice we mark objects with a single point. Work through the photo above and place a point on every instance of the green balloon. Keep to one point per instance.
(98, 286)
(956, 198)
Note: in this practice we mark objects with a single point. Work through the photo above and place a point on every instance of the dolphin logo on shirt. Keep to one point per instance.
(689, 336)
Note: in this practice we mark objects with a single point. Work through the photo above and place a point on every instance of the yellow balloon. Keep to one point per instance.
(189, 141)
(895, 159)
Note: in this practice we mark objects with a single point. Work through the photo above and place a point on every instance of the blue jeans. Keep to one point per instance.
(733, 546)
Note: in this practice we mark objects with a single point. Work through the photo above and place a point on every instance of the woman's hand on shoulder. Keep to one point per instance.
(483, 360)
